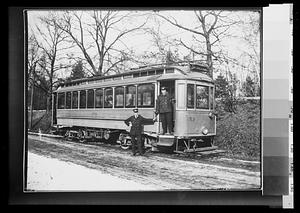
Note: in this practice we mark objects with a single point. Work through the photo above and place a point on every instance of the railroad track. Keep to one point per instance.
(166, 171)
(216, 158)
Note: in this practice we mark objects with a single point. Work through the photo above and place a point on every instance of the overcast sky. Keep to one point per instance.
(142, 42)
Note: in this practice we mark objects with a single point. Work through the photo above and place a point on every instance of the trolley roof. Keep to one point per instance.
(142, 75)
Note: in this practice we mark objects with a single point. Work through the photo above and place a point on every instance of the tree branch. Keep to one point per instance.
(175, 23)
(191, 49)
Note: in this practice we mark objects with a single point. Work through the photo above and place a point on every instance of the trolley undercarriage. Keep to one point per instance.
(156, 142)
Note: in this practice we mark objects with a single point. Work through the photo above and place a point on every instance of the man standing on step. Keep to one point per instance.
(164, 109)
(137, 122)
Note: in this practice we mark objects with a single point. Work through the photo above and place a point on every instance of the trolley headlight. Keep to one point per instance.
(204, 131)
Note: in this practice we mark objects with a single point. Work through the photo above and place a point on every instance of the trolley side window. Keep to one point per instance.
(108, 97)
(202, 97)
(74, 100)
(119, 97)
(61, 100)
(146, 95)
(90, 98)
(82, 101)
(99, 98)
(130, 97)
(68, 100)
(191, 96)
(211, 98)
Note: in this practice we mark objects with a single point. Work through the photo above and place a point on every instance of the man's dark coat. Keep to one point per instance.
(138, 123)
(163, 103)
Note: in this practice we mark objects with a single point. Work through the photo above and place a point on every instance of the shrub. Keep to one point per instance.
(239, 132)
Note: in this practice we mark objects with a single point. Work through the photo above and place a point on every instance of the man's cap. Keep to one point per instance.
(135, 110)
(163, 88)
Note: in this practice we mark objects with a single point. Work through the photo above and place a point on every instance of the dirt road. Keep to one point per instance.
(165, 172)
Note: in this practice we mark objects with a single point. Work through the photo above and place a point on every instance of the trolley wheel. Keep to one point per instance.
(106, 135)
(81, 137)
(125, 144)
(66, 135)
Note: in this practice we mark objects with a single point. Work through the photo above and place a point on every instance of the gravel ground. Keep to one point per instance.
(107, 168)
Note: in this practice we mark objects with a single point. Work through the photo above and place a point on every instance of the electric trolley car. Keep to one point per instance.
(95, 108)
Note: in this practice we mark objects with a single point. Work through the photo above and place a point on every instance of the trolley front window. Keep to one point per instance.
(108, 97)
(75, 100)
(82, 101)
(99, 98)
(90, 99)
(68, 100)
(61, 100)
(130, 97)
(202, 97)
(191, 96)
(119, 97)
(146, 95)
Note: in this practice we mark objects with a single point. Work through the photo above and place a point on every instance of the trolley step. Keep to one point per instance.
(165, 140)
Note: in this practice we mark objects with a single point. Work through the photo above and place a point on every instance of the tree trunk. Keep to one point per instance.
(48, 105)
(209, 57)
(31, 106)
(100, 67)
(49, 95)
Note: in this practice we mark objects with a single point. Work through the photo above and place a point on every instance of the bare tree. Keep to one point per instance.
(249, 59)
(32, 61)
(49, 40)
(97, 35)
(251, 36)
(213, 27)
(33, 57)
(163, 49)
(167, 51)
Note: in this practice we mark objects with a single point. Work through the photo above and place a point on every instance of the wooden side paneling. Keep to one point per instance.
(104, 113)
(191, 122)
(102, 118)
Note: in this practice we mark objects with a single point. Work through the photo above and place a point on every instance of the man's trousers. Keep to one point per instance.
(137, 144)
(166, 120)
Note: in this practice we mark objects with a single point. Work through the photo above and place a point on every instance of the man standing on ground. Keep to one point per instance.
(164, 109)
(137, 122)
